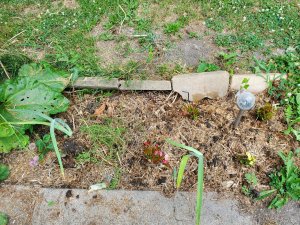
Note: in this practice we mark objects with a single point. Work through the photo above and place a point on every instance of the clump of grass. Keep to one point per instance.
(191, 111)
(174, 27)
(107, 134)
(11, 63)
(265, 113)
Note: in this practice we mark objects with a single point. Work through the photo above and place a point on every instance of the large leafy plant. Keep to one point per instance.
(29, 99)
(284, 182)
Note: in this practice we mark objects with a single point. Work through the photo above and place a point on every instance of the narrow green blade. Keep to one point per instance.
(199, 191)
(182, 166)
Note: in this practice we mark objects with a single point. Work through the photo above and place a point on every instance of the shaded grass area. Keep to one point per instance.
(59, 34)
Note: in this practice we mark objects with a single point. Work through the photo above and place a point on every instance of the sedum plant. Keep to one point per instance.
(184, 160)
(29, 99)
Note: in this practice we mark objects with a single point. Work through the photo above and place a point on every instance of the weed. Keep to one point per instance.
(251, 179)
(191, 111)
(228, 61)
(51, 203)
(248, 189)
(207, 67)
(284, 182)
(214, 24)
(107, 136)
(194, 35)
(172, 28)
(4, 172)
(245, 84)
(4, 220)
(266, 112)
(44, 145)
(86, 157)
(115, 180)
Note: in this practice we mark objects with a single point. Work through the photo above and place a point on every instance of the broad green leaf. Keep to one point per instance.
(32, 69)
(12, 142)
(24, 100)
(56, 80)
(182, 166)
(3, 219)
(5, 129)
(202, 67)
(4, 172)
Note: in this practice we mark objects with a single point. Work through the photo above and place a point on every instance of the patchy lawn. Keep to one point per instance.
(142, 39)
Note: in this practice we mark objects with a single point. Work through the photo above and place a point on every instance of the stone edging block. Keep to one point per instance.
(96, 83)
(192, 87)
(145, 85)
(196, 86)
(256, 83)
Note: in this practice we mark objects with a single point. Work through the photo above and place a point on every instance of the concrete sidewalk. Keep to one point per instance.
(43, 206)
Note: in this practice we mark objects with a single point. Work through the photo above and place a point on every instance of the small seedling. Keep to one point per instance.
(191, 111)
(3, 219)
(4, 172)
(44, 145)
(265, 113)
(51, 203)
(248, 189)
(251, 179)
(228, 60)
(245, 84)
(154, 153)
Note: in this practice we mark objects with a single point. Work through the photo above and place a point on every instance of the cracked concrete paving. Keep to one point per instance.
(33, 205)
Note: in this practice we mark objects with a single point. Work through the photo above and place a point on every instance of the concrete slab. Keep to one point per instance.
(27, 205)
(196, 86)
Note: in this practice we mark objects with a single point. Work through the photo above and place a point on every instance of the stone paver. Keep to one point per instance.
(27, 205)
(146, 85)
(196, 86)
(256, 83)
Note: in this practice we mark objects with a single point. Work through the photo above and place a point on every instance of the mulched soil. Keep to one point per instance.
(156, 116)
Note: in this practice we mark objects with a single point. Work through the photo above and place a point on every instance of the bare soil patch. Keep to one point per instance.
(156, 116)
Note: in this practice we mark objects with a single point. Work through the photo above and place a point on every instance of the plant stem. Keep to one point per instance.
(5, 71)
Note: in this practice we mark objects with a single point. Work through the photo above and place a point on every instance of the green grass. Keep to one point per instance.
(244, 26)
(106, 139)
(249, 24)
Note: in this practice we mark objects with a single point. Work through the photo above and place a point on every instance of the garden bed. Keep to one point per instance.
(108, 144)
